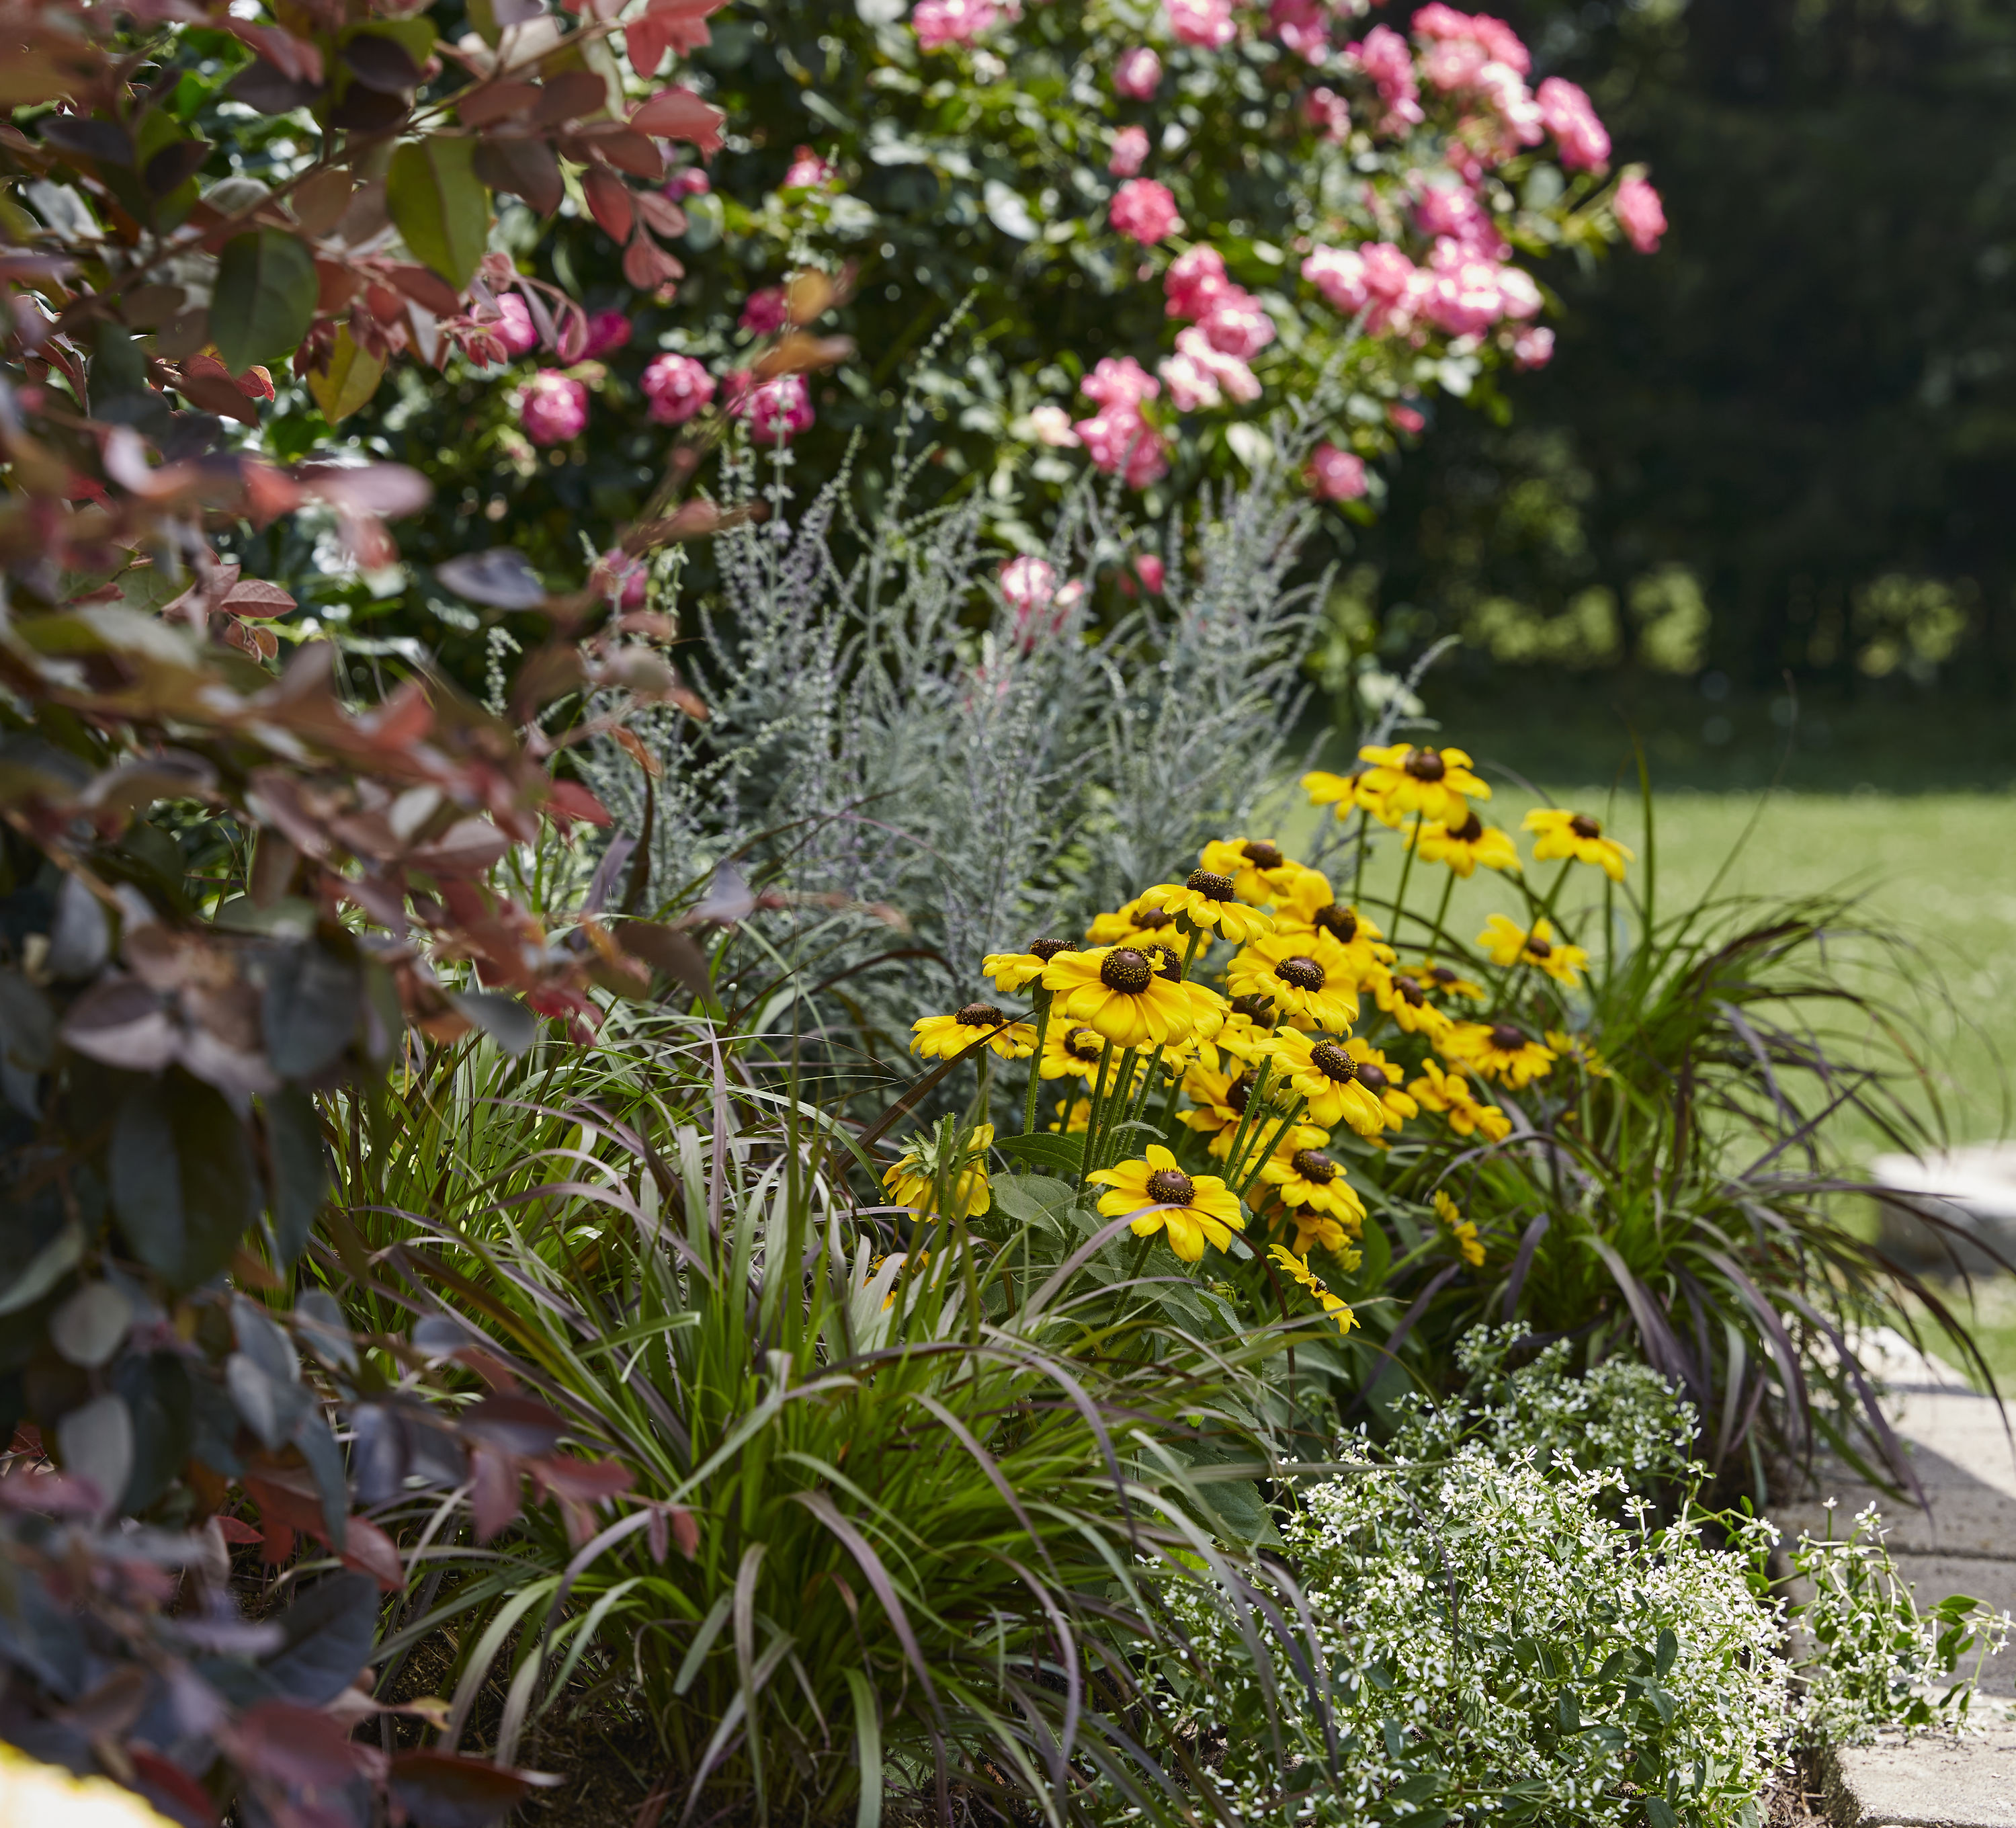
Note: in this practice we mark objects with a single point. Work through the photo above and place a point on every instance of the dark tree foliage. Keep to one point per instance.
(1807, 399)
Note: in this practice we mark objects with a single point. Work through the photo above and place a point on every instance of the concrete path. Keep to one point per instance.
(1967, 1465)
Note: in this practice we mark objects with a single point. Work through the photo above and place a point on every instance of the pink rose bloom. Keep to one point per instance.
(1454, 211)
(553, 409)
(1303, 26)
(1570, 118)
(676, 387)
(1144, 211)
(1118, 381)
(1029, 584)
(1120, 441)
(1384, 57)
(1533, 347)
(1390, 283)
(1052, 426)
(1498, 41)
(1521, 292)
(692, 182)
(515, 328)
(1327, 111)
(1641, 215)
(624, 580)
(776, 409)
(1130, 152)
(1338, 273)
(808, 170)
(764, 311)
(1335, 475)
(1225, 369)
(938, 23)
(608, 331)
(1138, 73)
(1404, 417)
(1194, 279)
(1206, 22)
(1192, 385)
(1151, 571)
(1236, 325)
(1464, 298)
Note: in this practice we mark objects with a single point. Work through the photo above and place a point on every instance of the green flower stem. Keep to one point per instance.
(1117, 1102)
(1441, 913)
(1254, 1102)
(1358, 867)
(1085, 1163)
(1036, 1059)
(1267, 1147)
(1406, 870)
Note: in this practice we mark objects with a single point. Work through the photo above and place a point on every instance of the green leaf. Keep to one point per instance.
(1659, 1813)
(183, 1189)
(440, 205)
(301, 1170)
(1044, 1151)
(351, 378)
(868, 1748)
(265, 300)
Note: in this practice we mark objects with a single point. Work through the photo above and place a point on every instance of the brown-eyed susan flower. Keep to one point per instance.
(1449, 1092)
(1308, 975)
(1502, 1051)
(1118, 991)
(1460, 1229)
(940, 1037)
(1322, 1071)
(1437, 783)
(1344, 794)
(1403, 997)
(1206, 899)
(1465, 845)
(1441, 981)
(1303, 1175)
(1130, 924)
(1071, 1051)
(1335, 1306)
(932, 1154)
(1384, 1080)
(1198, 1209)
(1261, 870)
(1073, 1115)
(1577, 835)
(1219, 1100)
(1506, 942)
(1577, 1048)
(1311, 906)
(1014, 971)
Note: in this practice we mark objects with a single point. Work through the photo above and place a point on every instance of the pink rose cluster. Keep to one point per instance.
(1335, 475)
(1458, 291)
(676, 388)
(1303, 26)
(764, 310)
(1144, 211)
(1384, 57)
(775, 410)
(1206, 23)
(807, 170)
(1137, 74)
(939, 23)
(1228, 327)
(553, 407)
(1118, 437)
(1030, 586)
(1130, 152)
(1641, 215)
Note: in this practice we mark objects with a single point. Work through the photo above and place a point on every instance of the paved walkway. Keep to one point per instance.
(1964, 1542)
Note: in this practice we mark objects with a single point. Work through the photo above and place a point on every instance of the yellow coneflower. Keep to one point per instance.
(1304, 1177)
(1401, 995)
(1312, 906)
(1444, 982)
(1464, 846)
(1199, 1209)
(940, 1037)
(1206, 899)
(1384, 1080)
(1437, 783)
(1338, 1309)
(1073, 1115)
(1502, 1051)
(1323, 1071)
(1308, 975)
(1245, 1035)
(1576, 834)
(1261, 871)
(1576, 1048)
(1219, 1101)
(1344, 794)
(1071, 1051)
(1014, 971)
(1118, 990)
(1506, 942)
(1460, 1229)
(1130, 924)
(913, 1181)
(1449, 1092)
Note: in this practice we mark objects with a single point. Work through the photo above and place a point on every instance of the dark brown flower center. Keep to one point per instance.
(1255, 1007)
(1426, 764)
(1126, 970)
(1261, 855)
(1210, 884)
(1330, 1059)
(1409, 991)
(1373, 1078)
(1169, 1186)
(1470, 830)
(1507, 1038)
(1443, 975)
(1047, 949)
(1583, 826)
(1338, 921)
(1169, 962)
(1312, 1165)
(1084, 1044)
(981, 1015)
(1303, 973)
(1238, 1093)
(1152, 919)
(1538, 947)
